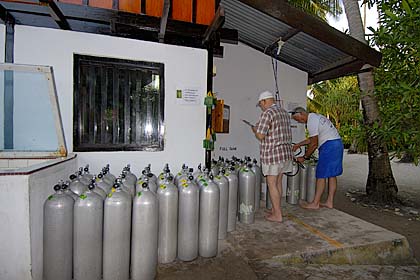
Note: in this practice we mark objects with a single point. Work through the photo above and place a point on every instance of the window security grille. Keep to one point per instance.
(118, 104)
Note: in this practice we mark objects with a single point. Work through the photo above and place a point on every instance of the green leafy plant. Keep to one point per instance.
(397, 80)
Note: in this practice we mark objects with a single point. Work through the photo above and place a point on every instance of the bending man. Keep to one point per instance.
(275, 135)
(324, 136)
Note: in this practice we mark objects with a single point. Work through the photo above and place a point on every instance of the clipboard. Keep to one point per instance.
(248, 123)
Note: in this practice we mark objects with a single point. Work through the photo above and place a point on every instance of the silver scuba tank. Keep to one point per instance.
(103, 184)
(81, 178)
(293, 181)
(66, 190)
(168, 220)
(58, 236)
(144, 245)
(152, 177)
(108, 177)
(86, 177)
(197, 173)
(257, 171)
(117, 230)
(146, 178)
(87, 242)
(164, 175)
(183, 173)
(233, 199)
(235, 169)
(129, 176)
(303, 173)
(311, 182)
(238, 167)
(209, 219)
(76, 185)
(223, 184)
(188, 215)
(97, 189)
(227, 164)
(126, 185)
(214, 168)
(246, 195)
(203, 178)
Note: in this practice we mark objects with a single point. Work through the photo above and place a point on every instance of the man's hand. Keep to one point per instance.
(300, 159)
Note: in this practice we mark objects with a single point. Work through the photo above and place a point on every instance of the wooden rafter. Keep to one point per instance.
(352, 67)
(164, 20)
(216, 24)
(56, 14)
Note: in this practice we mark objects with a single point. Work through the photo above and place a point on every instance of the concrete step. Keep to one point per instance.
(324, 236)
(320, 242)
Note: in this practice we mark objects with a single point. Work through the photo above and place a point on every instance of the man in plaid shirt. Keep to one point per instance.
(275, 135)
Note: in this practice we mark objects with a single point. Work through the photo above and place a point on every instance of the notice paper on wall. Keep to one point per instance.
(188, 96)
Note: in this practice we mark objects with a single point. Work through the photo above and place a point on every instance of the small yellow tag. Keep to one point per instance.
(113, 190)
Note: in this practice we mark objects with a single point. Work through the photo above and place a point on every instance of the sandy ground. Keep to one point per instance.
(407, 177)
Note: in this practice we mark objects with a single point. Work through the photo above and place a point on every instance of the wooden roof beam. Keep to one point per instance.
(217, 22)
(5, 15)
(56, 14)
(164, 20)
(229, 36)
(350, 68)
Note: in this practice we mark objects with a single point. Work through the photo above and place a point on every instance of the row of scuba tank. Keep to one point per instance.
(301, 183)
(103, 227)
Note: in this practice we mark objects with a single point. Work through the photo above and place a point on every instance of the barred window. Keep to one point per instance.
(118, 104)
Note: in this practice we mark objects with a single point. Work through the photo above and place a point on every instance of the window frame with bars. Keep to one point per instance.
(147, 137)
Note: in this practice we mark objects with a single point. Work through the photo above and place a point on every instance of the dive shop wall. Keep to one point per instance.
(2, 48)
(241, 76)
(184, 125)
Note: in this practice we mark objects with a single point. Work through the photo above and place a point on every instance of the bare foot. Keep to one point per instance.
(326, 205)
(311, 206)
(268, 211)
(302, 203)
(273, 218)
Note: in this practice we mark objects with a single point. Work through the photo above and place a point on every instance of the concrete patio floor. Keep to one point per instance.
(306, 244)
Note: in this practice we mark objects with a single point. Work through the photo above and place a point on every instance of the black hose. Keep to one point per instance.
(300, 166)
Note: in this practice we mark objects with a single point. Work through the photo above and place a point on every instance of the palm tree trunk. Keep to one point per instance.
(380, 184)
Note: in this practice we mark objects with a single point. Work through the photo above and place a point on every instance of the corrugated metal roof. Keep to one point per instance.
(301, 50)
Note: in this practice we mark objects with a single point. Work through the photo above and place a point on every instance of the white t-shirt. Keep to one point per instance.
(319, 125)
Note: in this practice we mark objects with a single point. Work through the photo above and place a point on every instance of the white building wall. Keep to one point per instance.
(240, 76)
(2, 54)
(15, 257)
(184, 67)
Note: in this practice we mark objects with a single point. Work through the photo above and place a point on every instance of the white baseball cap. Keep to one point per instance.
(265, 95)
